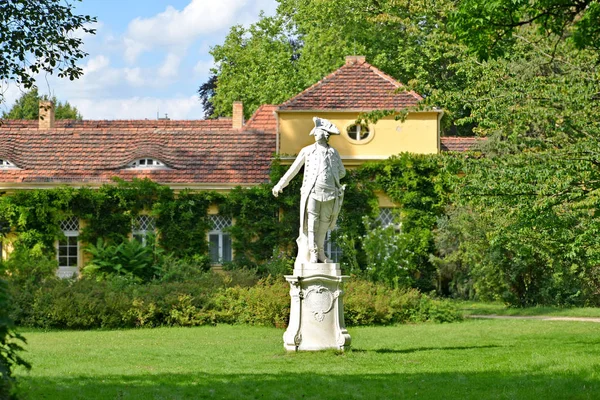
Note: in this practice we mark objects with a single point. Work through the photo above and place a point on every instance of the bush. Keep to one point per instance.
(368, 303)
(9, 346)
(172, 269)
(265, 304)
(129, 258)
(235, 297)
(30, 266)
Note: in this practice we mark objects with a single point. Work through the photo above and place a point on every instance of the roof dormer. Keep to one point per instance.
(5, 164)
(147, 163)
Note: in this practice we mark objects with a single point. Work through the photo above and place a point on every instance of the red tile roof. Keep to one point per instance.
(195, 152)
(263, 119)
(456, 143)
(200, 124)
(354, 86)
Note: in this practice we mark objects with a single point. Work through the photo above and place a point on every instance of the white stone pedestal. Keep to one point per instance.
(317, 309)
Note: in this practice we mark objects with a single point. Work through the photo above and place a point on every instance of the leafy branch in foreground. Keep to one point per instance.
(39, 36)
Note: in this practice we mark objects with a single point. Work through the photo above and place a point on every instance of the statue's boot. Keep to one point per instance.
(313, 253)
(322, 256)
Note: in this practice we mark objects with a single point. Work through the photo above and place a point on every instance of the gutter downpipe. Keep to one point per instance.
(439, 129)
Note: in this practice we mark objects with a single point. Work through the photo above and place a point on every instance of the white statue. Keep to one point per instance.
(321, 192)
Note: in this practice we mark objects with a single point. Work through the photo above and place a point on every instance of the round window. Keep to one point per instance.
(359, 132)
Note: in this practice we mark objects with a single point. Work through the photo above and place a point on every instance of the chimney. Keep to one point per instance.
(46, 119)
(238, 115)
(355, 60)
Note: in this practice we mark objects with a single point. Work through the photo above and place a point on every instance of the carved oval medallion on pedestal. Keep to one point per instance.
(319, 300)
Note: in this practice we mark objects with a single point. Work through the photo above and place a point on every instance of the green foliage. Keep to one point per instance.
(256, 231)
(264, 304)
(183, 222)
(489, 27)
(368, 303)
(10, 345)
(129, 258)
(173, 269)
(30, 267)
(389, 257)
(27, 107)
(237, 297)
(254, 65)
(419, 185)
(39, 36)
(535, 221)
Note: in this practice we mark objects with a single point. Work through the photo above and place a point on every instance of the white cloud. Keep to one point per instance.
(97, 63)
(202, 68)
(170, 66)
(9, 94)
(140, 108)
(133, 76)
(178, 28)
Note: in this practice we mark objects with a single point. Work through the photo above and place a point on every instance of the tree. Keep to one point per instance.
(255, 66)
(27, 107)
(280, 56)
(489, 26)
(39, 36)
(35, 36)
(207, 92)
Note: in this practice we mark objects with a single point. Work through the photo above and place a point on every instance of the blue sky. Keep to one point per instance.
(147, 56)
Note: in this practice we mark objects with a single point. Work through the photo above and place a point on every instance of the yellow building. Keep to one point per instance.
(355, 89)
(215, 154)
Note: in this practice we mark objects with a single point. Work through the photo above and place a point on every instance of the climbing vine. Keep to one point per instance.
(265, 227)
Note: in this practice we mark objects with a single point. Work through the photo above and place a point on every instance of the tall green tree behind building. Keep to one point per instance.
(27, 107)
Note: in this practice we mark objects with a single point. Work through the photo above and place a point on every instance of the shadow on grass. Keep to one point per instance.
(457, 385)
(408, 351)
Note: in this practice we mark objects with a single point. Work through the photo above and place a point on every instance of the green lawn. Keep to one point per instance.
(481, 308)
(475, 359)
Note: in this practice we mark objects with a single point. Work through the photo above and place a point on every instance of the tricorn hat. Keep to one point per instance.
(327, 126)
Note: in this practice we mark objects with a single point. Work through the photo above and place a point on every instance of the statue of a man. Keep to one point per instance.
(321, 192)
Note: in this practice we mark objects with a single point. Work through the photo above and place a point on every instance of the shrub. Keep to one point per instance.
(278, 265)
(368, 303)
(129, 258)
(30, 266)
(9, 345)
(172, 269)
(266, 304)
(236, 297)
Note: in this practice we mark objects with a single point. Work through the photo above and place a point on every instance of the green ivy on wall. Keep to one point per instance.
(265, 227)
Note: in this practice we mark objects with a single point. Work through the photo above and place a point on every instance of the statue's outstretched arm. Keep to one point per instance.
(290, 174)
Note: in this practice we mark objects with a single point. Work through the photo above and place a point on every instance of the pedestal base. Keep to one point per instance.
(317, 310)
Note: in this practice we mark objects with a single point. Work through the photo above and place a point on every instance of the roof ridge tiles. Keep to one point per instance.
(393, 81)
(334, 92)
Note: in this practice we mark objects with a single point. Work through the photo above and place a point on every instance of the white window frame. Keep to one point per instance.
(371, 133)
(5, 164)
(143, 226)
(67, 227)
(219, 223)
(147, 163)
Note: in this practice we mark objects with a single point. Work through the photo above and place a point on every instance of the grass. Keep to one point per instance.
(475, 359)
(481, 308)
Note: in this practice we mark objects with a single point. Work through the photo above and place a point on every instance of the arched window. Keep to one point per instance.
(4, 163)
(142, 163)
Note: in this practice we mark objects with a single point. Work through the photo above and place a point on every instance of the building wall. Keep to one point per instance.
(417, 134)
